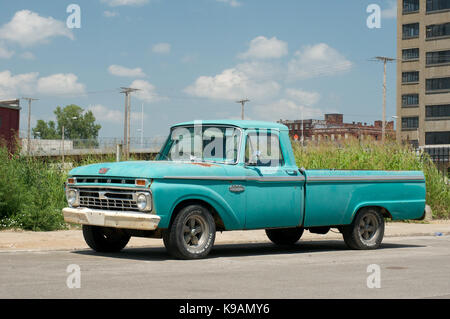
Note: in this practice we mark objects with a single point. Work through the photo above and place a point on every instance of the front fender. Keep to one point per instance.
(168, 194)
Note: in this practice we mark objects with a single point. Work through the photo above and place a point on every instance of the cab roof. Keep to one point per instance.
(238, 123)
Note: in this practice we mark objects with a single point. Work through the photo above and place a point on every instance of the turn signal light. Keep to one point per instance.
(141, 182)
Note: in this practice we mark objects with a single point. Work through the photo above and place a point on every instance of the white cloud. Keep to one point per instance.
(391, 11)
(162, 48)
(28, 28)
(147, 91)
(110, 14)
(27, 56)
(233, 3)
(118, 70)
(104, 114)
(117, 3)
(60, 84)
(303, 97)
(264, 48)
(5, 53)
(317, 60)
(232, 84)
(12, 86)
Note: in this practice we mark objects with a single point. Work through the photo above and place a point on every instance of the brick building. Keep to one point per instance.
(332, 127)
(9, 122)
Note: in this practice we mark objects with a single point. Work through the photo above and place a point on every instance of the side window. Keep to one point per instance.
(263, 149)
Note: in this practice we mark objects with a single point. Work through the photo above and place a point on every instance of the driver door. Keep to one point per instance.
(274, 191)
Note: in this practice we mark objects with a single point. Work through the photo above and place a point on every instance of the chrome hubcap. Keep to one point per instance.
(194, 231)
(368, 227)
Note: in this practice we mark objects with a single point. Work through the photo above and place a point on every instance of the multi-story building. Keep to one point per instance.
(423, 72)
(333, 128)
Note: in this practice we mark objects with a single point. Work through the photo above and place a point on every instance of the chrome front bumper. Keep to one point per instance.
(109, 218)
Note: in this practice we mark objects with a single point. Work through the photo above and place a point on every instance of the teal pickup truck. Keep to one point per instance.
(233, 175)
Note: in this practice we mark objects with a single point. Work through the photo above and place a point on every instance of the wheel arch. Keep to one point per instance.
(383, 210)
(220, 225)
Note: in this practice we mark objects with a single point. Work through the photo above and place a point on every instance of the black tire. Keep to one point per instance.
(105, 239)
(366, 231)
(285, 236)
(192, 233)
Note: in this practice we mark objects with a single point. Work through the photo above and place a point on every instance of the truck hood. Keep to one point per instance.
(150, 169)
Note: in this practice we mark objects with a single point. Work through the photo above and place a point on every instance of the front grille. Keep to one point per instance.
(107, 199)
(104, 180)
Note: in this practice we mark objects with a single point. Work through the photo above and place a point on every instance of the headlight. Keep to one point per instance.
(144, 201)
(72, 197)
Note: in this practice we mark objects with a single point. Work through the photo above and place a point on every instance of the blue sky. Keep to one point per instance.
(193, 59)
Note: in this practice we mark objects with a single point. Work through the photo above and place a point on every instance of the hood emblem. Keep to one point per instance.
(103, 170)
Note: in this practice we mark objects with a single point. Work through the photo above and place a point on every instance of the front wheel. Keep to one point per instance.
(192, 233)
(105, 239)
(284, 236)
(366, 231)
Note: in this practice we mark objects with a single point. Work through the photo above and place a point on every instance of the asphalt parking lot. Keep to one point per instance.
(406, 267)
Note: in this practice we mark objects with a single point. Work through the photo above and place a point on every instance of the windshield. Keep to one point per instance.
(202, 143)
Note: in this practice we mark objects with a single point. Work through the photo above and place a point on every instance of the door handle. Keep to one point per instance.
(291, 171)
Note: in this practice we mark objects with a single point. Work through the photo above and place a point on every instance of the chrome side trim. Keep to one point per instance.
(241, 178)
(365, 178)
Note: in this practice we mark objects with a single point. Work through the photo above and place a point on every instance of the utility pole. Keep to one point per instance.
(383, 127)
(126, 124)
(243, 101)
(29, 99)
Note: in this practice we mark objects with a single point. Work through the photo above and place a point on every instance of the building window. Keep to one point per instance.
(410, 30)
(410, 122)
(438, 85)
(438, 30)
(410, 77)
(438, 57)
(437, 110)
(410, 54)
(435, 5)
(435, 138)
(409, 100)
(410, 6)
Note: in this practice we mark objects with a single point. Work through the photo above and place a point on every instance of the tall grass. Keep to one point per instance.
(353, 154)
(32, 190)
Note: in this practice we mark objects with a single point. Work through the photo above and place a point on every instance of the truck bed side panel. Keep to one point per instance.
(333, 197)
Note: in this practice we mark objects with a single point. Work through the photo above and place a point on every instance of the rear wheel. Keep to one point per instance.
(366, 231)
(192, 233)
(105, 239)
(284, 236)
